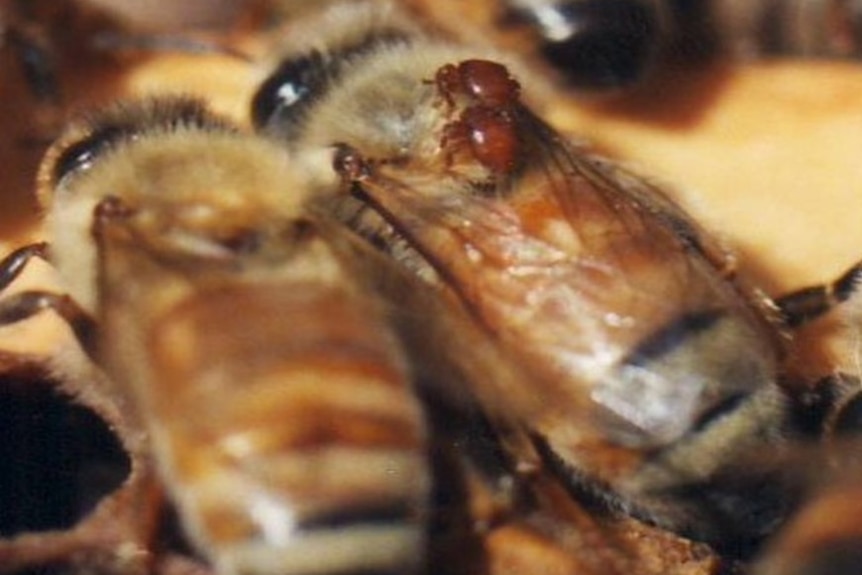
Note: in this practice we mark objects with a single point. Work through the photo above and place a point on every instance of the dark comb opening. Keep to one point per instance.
(58, 459)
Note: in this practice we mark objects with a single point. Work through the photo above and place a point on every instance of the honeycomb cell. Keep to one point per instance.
(58, 458)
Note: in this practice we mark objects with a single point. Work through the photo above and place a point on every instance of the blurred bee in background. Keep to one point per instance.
(606, 44)
(823, 28)
(597, 44)
(56, 43)
(822, 539)
(649, 374)
(24, 35)
(52, 42)
(825, 536)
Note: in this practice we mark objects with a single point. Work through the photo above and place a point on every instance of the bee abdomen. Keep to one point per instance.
(334, 511)
(294, 444)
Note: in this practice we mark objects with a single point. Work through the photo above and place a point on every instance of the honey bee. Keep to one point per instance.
(606, 44)
(32, 50)
(597, 44)
(276, 397)
(823, 538)
(791, 27)
(649, 372)
(302, 435)
(824, 535)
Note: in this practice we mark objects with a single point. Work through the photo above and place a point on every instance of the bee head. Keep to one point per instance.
(93, 137)
(310, 66)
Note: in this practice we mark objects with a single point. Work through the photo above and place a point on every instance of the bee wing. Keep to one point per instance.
(497, 509)
(452, 359)
(608, 294)
(628, 223)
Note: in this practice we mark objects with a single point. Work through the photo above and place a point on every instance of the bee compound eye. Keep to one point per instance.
(82, 154)
(288, 90)
(127, 121)
(599, 43)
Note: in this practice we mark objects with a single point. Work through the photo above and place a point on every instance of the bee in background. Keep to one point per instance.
(820, 29)
(825, 536)
(596, 44)
(278, 402)
(611, 44)
(54, 43)
(33, 50)
(649, 374)
(822, 539)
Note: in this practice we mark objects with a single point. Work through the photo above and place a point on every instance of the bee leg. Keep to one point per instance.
(12, 265)
(801, 306)
(843, 396)
(26, 304)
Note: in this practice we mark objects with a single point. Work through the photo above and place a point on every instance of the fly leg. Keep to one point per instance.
(26, 304)
(809, 303)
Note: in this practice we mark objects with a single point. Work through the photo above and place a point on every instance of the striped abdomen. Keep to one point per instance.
(283, 417)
